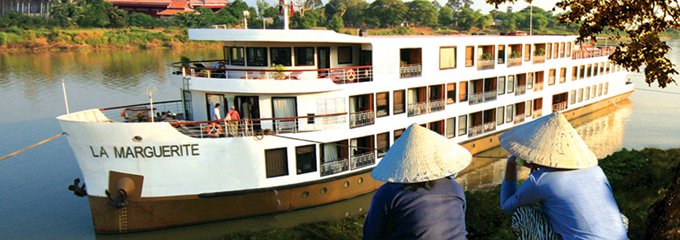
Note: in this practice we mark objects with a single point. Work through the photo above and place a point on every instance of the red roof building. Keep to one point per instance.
(166, 8)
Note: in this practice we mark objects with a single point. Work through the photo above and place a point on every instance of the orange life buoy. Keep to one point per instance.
(122, 114)
(350, 75)
(213, 130)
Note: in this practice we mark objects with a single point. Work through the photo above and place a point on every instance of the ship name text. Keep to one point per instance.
(162, 151)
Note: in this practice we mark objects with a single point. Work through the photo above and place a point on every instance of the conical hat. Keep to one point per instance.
(549, 141)
(421, 155)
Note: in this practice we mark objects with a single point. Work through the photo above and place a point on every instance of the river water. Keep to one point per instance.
(34, 201)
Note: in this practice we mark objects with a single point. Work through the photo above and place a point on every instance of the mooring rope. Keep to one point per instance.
(32, 146)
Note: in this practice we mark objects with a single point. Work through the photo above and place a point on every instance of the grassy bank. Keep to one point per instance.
(18, 39)
(638, 178)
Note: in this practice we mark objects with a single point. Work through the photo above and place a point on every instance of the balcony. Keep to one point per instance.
(559, 106)
(490, 95)
(538, 86)
(436, 105)
(337, 166)
(519, 118)
(589, 52)
(362, 160)
(410, 70)
(521, 89)
(489, 126)
(476, 98)
(539, 59)
(483, 64)
(476, 130)
(363, 118)
(514, 61)
(417, 109)
(538, 113)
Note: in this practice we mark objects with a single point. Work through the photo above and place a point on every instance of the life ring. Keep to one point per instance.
(122, 114)
(350, 75)
(213, 130)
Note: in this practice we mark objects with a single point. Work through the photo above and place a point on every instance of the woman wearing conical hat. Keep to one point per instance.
(573, 193)
(420, 199)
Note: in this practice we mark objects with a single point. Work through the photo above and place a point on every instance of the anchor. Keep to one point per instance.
(77, 189)
(117, 202)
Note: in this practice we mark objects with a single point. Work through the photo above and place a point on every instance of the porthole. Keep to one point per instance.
(137, 139)
(473, 145)
(360, 180)
(490, 139)
(323, 190)
(346, 185)
(305, 194)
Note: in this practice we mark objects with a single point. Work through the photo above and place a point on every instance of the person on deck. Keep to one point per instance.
(233, 119)
(574, 195)
(420, 199)
(216, 112)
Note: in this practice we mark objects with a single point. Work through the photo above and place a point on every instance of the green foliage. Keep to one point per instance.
(427, 13)
(13, 19)
(335, 23)
(144, 20)
(388, 13)
(445, 16)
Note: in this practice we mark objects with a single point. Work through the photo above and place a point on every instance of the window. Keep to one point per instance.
(383, 100)
(450, 93)
(551, 77)
(572, 97)
(281, 56)
(593, 91)
(344, 55)
(437, 126)
(587, 94)
(306, 159)
(501, 86)
(276, 161)
(397, 134)
(501, 54)
(462, 97)
(236, 56)
(511, 83)
(383, 143)
(527, 52)
(530, 80)
(563, 75)
(304, 56)
(451, 127)
(580, 95)
(569, 49)
(469, 56)
(447, 57)
(256, 56)
(399, 99)
(548, 49)
(528, 109)
(510, 114)
(462, 125)
(606, 88)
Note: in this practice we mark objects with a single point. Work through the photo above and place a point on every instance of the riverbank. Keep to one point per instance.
(638, 178)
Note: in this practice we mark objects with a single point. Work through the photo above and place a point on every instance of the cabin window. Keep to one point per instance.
(580, 95)
(284, 107)
(563, 75)
(463, 95)
(236, 56)
(527, 52)
(383, 143)
(361, 110)
(593, 91)
(462, 125)
(511, 83)
(344, 55)
(304, 56)
(587, 94)
(399, 99)
(437, 126)
(500, 112)
(188, 109)
(469, 56)
(556, 47)
(334, 157)
(451, 127)
(548, 49)
(450, 93)
(447, 57)
(398, 133)
(510, 113)
(256, 56)
(527, 108)
(383, 100)
(574, 73)
(281, 56)
(276, 162)
(501, 54)
(551, 77)
(599, 89)
(500, 88)
(572, 96)
(606, 88)
(306, 159)
(562, 49)
(589, 70)
(569, 49)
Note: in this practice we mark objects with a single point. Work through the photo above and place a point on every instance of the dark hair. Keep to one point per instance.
(414, 186)
(217, 105)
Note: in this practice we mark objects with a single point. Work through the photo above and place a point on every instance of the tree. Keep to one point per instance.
(335, 23)
(388, 12)
(355, 13)
(445, 16)
(422, 13)
(641, 20)
(306, 5)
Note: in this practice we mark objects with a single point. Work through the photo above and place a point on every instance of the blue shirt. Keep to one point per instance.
(435, 213)
(578, 203)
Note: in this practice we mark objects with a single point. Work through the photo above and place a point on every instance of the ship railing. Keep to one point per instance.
(559, 106)
(538, 113)
(589, 52)
(415, 109)
(214, 69)
(551, 79)
(333, 167)
(476, 98)
(538, 86)
(514, 61)
(485, 64)
(489, 126)
(521, 89)
(411, 70)
(259, 127)
(436, 105)
(475, 130)
(362, 118)
(362, 160)
(519, 118)
(490, 95)
(163, 111)
(539, 59)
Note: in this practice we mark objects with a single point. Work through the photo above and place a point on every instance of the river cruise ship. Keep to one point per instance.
(318, 110)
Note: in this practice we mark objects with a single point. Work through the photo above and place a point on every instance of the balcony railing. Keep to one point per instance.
(476, 98)
(559, 106)
(514, 61)
(212, 69)
(436, 105)
(521, 89)
(551, 80)
(337, 166)
(490, 126)
(475, 130)
(538, 86)
(411, 70)
(538, 113)
(417, 109)
(163, 111)
(592, 52)
(362, 160)
(539, 59)
(485, 64)
(519, 118)
(490, 95)
(362, 118)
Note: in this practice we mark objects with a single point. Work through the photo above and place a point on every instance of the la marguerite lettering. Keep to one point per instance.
(162, 151)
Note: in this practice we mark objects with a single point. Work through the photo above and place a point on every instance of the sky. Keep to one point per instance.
(477, 4)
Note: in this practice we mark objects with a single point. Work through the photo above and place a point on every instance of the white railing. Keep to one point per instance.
(538, 86)
(514, 61)
(337, 166)
(559, 106)
(417, 109)
(490, 95)
(362, 160)
(485, 64)
(363, 118)
(411, 70)
(476, 98)
(521, 89)
(490, 126)
(476, 130)
(436, 105)
(538, 113)
(593, 52)
(519, 118)
(539, 59)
